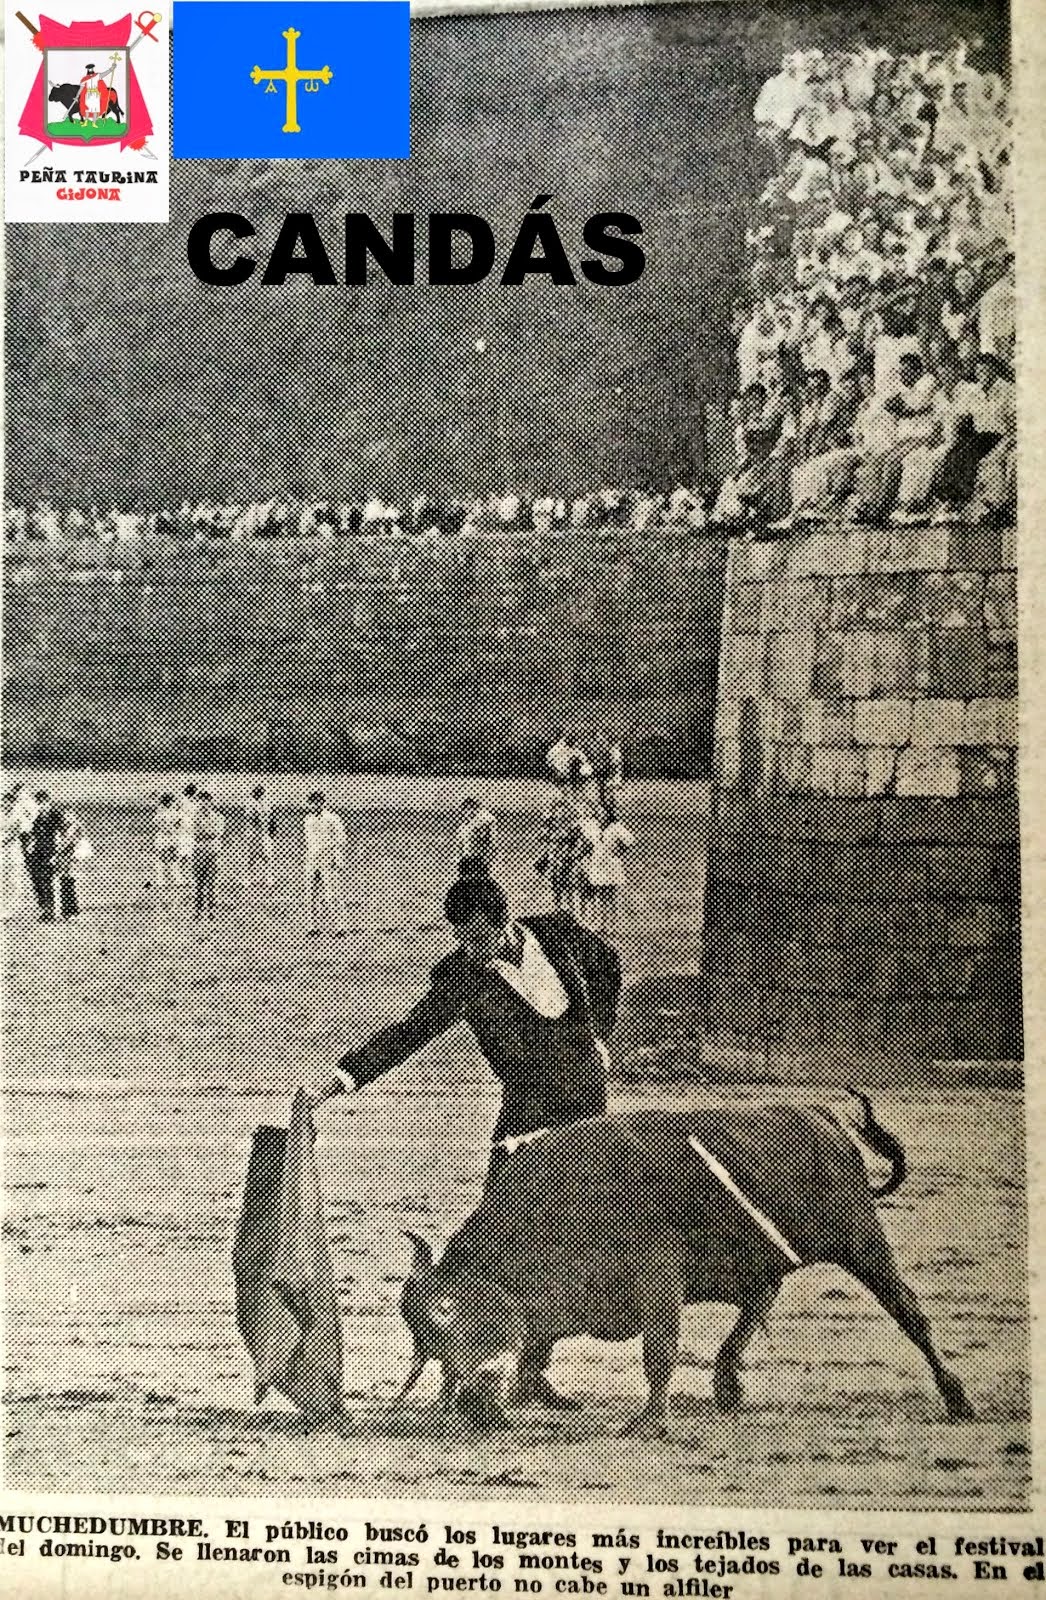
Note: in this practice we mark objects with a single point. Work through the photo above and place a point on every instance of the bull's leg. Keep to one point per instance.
(532, 1384)
(479, 1402)
(726, 1384)
(877, 1270)
(448, 1386)
(448, 1389)
(660, 1353)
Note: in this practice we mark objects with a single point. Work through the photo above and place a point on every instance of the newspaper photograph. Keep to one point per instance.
(517, 947)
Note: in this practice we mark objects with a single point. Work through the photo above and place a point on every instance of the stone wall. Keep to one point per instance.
(863, 887)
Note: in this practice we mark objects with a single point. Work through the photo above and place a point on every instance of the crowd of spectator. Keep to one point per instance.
(423, 519)
(876, 348)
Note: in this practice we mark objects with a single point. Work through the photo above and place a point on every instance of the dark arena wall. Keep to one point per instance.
(369, 656)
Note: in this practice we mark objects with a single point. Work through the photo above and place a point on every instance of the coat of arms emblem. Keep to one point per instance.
(86, 92)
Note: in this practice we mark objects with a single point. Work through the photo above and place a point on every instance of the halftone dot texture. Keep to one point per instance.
(144, 1050)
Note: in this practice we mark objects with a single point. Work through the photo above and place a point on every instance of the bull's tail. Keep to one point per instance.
(883, 1143)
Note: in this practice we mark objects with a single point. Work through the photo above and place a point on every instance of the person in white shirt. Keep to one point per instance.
(604, 868)
(543, 514)
(954, 400)
(825, 344)
(208, 827)
(614, 778)
(167, 820)
(476, 837)
(812, 177)
(72, 850)
(45, 521)
(916, 422)
(20, 809)
(17, 522)
(859, 74)
(780, 99)
(185, 833)
(853, 259)
(822, 119)
(260, 839)
(559, 756)
(128, 525)
(567, 762)
(757, 346)
(326, 865)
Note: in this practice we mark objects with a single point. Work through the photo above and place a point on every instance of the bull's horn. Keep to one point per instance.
(423, 1257)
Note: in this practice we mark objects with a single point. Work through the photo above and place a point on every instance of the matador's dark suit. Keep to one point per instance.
(551, 1068)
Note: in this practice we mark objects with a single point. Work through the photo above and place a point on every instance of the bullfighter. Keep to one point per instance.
(540, 994)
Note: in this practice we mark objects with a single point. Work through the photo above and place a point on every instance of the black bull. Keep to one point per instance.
(68, 95)
(611, 1226)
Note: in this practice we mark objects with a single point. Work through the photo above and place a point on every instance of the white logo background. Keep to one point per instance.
(42, 185)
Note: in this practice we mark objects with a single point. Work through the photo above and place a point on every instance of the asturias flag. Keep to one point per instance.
(258, 78)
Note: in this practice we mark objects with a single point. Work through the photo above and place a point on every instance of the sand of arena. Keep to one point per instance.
(142, 1052)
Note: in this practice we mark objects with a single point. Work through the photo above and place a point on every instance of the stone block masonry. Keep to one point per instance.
(863, 887)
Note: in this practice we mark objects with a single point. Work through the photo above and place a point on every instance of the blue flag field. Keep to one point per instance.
(259, 78)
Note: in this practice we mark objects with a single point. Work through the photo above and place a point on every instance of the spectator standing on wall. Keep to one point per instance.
(208, 827)
(261, 837)
(326, 866)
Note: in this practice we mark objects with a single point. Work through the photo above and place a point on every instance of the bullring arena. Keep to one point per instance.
(136, 1077)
